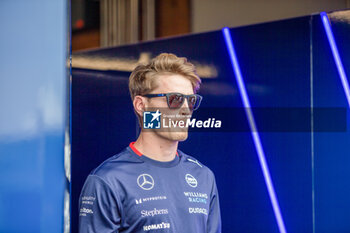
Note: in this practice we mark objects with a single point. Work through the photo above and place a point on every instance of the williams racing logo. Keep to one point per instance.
(196, 197)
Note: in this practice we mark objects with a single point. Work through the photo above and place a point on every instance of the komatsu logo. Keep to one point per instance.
(163, 225)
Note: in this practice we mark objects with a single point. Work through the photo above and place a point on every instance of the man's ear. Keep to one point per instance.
(139, 105)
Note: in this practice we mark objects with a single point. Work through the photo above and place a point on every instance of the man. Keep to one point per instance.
(151, 186)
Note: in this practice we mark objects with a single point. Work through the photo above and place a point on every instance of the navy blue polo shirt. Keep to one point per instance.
(130, 192)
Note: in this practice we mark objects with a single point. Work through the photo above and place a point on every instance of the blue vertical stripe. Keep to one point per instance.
(254, 131)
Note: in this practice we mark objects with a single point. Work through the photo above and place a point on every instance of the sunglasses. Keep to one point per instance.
(176, 100)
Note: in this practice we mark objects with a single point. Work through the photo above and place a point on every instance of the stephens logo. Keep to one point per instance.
(151, 120)
(191, 181)
(145, 181)
(151, 213)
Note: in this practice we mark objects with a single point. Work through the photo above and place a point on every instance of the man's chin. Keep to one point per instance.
(175, 136)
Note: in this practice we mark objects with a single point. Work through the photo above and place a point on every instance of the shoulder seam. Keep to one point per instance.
(194, 161)
(99, 166)
(100, 178)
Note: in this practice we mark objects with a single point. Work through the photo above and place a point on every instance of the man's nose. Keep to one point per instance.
(185, 104)
(185, 109)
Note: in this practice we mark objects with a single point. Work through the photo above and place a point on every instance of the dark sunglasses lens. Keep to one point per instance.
(175, 100)
(192, 102)
(198, 102)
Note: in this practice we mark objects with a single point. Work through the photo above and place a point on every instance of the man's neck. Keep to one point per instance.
(155, 147)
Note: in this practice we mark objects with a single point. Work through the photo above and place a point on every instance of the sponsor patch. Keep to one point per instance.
(196, 197)
(198, 211)
(154, 212)
(147, 199)
(84, 211)
(163, 225)
(145, 181)
(191, 181)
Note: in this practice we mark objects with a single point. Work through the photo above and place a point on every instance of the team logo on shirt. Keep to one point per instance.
(154, 212)
(197, 211)
(197, 197)
(84, 211)
(146, 199)
(145, 181)
(191, 181)
(163, 225)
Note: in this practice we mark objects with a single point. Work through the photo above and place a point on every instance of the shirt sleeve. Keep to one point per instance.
(98, 207)
(214, 217)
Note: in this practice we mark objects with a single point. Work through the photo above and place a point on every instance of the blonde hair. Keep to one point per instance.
(142, 79)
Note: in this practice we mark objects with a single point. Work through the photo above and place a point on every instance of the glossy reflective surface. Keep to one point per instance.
(331, 160)
(32, 120)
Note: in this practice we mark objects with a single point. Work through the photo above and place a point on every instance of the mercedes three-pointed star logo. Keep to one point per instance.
(145, 181)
